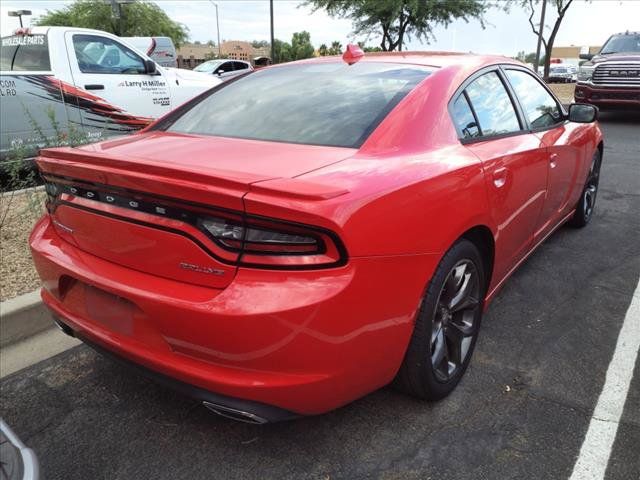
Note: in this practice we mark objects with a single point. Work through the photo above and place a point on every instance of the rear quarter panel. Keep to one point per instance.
(403, 205)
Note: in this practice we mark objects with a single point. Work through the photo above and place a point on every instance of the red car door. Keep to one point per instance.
(546, 119)
(514, 162)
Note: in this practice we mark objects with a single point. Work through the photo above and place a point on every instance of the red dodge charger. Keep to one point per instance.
(302, 235)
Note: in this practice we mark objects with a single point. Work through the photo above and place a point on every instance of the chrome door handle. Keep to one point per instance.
(552, 160)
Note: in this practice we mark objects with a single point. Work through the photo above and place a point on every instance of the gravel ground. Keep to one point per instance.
(564, 91)
(17, 274)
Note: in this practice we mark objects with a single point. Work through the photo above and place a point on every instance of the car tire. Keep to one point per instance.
(587, 201)
(446, 326)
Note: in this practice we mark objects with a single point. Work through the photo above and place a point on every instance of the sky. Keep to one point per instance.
(586, 23)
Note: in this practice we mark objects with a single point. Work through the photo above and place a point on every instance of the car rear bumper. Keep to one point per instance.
(608, 96)
(305, 341)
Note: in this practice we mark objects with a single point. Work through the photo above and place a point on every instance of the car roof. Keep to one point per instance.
(461, 61)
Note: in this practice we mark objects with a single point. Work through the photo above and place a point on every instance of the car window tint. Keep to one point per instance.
(492, 105)
(240, 66)
(97, 54)
(464, 119)
(539, 106)
(226, 67)
(25, 53)
(331, 104)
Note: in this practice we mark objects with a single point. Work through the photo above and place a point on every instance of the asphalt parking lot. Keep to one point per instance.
(522, 410)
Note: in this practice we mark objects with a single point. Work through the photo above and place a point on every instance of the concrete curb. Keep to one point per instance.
(34, 189)
(22, 317)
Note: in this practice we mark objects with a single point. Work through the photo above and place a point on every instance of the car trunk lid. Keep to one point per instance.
(138, 201)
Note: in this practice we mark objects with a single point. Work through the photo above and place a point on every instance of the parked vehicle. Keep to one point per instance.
(159, 49)
(224, 69)
(17, 462)
(611, 78)
(561, 73)
(295, 239)
(88, 81)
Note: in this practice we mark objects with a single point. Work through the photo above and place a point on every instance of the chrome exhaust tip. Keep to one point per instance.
(235, 414)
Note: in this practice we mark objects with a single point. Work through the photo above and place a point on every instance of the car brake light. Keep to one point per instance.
(260, 242)
(257, 239)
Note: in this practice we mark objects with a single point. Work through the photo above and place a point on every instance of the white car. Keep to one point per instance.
(89, 81)
(224, 69)
(562, 73)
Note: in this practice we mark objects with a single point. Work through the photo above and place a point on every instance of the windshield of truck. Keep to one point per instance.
(622, 44)
(24, 53)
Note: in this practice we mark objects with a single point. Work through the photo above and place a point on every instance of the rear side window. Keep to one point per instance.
(492, 105)
(539, 106)
(330, 104)
(240, 66)
(226, 67)
(25, 53)
(464, 119)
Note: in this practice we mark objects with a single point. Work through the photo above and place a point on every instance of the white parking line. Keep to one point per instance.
(597, 445)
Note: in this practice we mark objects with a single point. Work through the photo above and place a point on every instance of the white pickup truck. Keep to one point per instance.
(57, 81)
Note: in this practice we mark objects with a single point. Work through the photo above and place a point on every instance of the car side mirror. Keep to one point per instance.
(586, 56)
(149, 67)
(219, 72)
(582, 113)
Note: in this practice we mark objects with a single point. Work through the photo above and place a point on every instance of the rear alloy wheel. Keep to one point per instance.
(447, 325)
(587, 201)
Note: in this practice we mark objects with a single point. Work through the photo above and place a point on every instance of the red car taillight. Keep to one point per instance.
(270, 243)
(257, 241)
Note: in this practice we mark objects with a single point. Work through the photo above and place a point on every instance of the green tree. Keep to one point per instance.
(281, 51)
(301, 46)
(554, 7)
(336, 48)
(323, 50)
(368, 49)
(399, 20)
(259, 44)
(138, 19)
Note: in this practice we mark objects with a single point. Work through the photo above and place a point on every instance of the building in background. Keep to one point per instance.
(190, 55)
(571, 55)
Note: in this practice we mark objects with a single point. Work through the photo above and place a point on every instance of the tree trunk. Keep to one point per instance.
(549, 47)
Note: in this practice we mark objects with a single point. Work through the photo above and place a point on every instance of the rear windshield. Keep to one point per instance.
(330, 104)
(24, 53)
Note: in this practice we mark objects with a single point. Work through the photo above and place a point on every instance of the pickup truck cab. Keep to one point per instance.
(58, 81)
(611, 78)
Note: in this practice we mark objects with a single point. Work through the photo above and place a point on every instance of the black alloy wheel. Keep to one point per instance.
(587, 202)
(447, 325)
